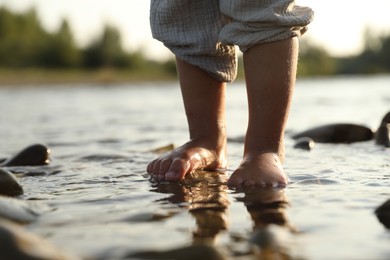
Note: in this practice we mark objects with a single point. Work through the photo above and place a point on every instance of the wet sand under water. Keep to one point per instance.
(96, 201)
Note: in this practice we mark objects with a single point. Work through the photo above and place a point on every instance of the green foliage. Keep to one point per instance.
(59, 50)
(25, 44)
(106, 51)
(314, 60)
(22, 39)
(374, 58)
(170, 67)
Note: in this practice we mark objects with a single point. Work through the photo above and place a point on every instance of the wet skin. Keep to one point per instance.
(269, 82)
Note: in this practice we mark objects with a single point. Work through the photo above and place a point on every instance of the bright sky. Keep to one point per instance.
(338, 24)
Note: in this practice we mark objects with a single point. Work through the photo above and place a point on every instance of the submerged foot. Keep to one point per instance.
(192, 156)
(264, 170)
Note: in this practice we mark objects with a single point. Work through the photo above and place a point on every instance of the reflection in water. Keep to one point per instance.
(271, 228)
(266, 206)
(206, 197)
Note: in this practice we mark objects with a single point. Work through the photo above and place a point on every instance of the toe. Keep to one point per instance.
(235, 181)
(150, 167)
(164, 166)
(162, 169)
(156, 168)
(177, 170)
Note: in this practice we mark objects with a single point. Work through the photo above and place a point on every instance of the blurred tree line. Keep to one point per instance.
(24, 43)
(375, 58)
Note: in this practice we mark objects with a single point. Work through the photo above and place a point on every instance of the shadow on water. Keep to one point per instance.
(207, 198)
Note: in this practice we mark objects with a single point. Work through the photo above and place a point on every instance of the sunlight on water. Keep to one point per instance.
(98, 202)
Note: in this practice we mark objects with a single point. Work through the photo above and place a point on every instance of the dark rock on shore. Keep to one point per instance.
(383, 213)
(382, 135)
(273, 241)
(386, 118)
(337, 133)
(347, 133)
(16, 243)
(163, 149)
(194, 252)
(304, 143)
(17, 210)
(32, 155)
(9, 185)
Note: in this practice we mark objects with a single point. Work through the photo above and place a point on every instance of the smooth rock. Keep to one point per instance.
(17, 210)
(337, 133)
(32, 155)
(386, 118)
(163, 149)
(383, 213)
(18, 244)
(382, 135)
(193, 252)
(304, 143)
(274, 242)
(9, 185)
(237, 139)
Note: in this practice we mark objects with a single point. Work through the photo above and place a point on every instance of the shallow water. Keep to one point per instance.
(97, 201)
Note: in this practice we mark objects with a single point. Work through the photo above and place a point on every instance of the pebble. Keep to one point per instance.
(304, 143)
(17, 210)
(383, 214)
(272, 242)
(337, 133)
(17, 243)
(193, 252)
(32, 155)
(9, 185)
(163, 149)
(382, 135)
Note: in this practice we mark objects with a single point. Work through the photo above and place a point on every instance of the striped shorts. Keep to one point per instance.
(204, 33)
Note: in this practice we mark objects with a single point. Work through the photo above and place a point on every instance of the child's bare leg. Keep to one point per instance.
(270, 71)
(204, 102)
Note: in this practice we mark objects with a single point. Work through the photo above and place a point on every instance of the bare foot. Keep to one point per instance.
(264, 170)
(189, 157)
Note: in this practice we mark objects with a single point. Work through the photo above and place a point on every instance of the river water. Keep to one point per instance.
(100, 204)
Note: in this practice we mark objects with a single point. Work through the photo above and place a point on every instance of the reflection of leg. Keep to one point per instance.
(209, 222)
(271, 229)
(270, 70)
(208, 206)
(204, 101)
(266, 206)
(206, 198)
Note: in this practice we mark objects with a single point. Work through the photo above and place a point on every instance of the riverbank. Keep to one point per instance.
(34, 77)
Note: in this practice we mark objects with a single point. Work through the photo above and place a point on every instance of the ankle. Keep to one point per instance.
(254, 149)
(250, 155)
(216, 145)
(214, 150)
(215, 140)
